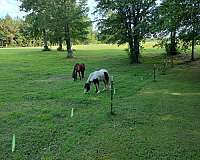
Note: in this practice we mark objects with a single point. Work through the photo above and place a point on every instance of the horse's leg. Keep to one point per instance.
(97, 88)
(73, 75)
(96, 83)
(83, 70)
(82, 73)
(79, 73)
(105, 86)
(76, 76)
(108, 83)
(107, 79)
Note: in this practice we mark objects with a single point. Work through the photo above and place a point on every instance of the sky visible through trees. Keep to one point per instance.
(11, 7)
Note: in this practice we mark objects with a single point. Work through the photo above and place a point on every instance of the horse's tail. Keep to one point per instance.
(83, 70)
(83, 66)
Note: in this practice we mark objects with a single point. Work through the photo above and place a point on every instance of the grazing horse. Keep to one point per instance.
(95, 77)
(78, 69)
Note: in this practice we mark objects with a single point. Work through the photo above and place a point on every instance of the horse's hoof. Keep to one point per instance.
(98, 92)
(105, 89)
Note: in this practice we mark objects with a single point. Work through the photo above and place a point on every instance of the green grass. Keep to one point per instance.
(154, 120)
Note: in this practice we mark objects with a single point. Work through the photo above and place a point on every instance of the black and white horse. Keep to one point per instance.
(95, 77)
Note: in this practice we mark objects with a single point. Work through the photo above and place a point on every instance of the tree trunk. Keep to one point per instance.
(68, 37)
(193, 44)
(132, 39)
(136, 49)
(131, 51)
(172, 60)
(68, 41)
(173, 43)
(45, 39)
(60, 45)
(173, 47)
(136, 40)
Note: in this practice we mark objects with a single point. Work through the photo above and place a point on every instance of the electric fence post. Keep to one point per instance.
(111, 96)
(13, 143)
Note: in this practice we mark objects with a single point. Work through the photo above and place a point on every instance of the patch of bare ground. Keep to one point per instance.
(55, 78)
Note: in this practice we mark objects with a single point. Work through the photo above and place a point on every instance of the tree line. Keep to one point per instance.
(18, 32)
(15, 32)
(49, 22)
(174, 23)
(58, 21)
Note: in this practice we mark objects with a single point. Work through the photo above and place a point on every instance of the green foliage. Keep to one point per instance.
(168, 22)
(177, 24)
(125, 21)
(16, 32)
(55, 16)
(191, 20)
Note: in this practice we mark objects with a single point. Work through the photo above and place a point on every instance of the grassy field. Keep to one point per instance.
(154, 120)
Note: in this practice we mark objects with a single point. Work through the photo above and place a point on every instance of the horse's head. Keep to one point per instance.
(77, 67)
(86, 87)
(74, 76)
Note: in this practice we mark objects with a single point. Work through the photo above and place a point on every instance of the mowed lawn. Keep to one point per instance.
(153, 120)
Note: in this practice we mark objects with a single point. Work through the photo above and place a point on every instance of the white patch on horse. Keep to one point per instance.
(97, 75)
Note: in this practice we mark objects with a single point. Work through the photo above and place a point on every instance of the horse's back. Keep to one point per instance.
(103, 70)
(80, 69)
(82, 66)
(102, 74)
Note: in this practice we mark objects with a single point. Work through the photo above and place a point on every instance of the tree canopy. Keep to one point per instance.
(59, 20)
(126, 21)
(131, 21)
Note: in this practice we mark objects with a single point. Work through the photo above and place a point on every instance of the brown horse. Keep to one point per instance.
(78, 69)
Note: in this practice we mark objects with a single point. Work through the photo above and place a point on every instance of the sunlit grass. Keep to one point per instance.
(154, 120)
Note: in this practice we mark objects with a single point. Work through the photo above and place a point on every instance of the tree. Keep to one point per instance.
(39, 14)
(31, 36)
(168, 23)
(61, 19)
(178, 20)
(10, 30)
(190, 31)
(72, 16)
(126, 21)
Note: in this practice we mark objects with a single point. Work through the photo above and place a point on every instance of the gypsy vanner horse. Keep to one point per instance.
(79, 69)
(95, 77)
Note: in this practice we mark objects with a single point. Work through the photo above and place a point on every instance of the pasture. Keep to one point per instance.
(154, 120)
